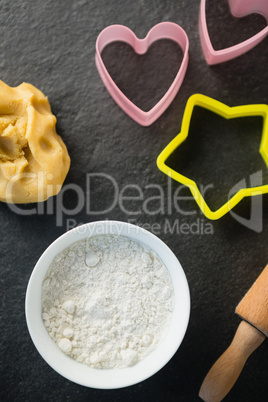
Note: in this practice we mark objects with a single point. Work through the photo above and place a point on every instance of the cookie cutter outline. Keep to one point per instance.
(228, 113)
(163, 30)
(239, 8)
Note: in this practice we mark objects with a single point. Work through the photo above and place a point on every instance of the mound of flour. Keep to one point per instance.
(107, 301)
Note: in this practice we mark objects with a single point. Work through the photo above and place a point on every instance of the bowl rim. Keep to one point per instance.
(108, 378)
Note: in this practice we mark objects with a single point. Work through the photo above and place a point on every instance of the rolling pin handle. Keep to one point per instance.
(224, 373)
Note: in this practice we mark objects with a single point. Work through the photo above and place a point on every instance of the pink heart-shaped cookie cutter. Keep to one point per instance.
(239, 8)
(164, 30)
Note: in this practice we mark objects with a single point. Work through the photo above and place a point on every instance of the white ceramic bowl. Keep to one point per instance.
(107, 378)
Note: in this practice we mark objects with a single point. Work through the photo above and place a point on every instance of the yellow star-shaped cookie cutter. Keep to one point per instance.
(228, 113)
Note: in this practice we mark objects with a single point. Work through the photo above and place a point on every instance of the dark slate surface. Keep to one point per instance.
(51, 44)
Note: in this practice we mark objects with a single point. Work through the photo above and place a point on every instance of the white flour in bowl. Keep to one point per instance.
(107, 301)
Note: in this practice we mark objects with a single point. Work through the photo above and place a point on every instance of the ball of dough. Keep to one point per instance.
(34, 161)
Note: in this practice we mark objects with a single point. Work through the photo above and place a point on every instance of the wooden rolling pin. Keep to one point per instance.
(253, 309)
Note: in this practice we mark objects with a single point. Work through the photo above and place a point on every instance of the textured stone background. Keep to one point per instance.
(51, 44)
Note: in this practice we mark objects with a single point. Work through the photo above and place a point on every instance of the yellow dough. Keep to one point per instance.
(34, 161)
